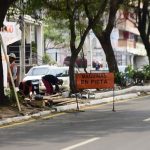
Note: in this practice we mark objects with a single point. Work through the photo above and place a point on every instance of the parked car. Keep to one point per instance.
(80, 62)
(121, 68)
(36, 73)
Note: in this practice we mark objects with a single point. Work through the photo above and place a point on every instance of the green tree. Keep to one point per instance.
(47, 59)
(56, 32)
(71, 11)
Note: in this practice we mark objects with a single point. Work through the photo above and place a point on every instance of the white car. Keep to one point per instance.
(36, 73)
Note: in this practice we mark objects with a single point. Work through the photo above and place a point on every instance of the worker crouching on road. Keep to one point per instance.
(49, 81)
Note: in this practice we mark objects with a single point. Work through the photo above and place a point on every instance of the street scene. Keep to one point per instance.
(94, 128)
(74, 74)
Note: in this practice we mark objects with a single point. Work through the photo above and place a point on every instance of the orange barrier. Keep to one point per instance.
(94, 80)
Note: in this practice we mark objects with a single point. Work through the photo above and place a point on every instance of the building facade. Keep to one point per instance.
(19, 41)
(126, 42)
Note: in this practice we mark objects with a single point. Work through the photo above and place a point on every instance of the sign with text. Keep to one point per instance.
(94, 80)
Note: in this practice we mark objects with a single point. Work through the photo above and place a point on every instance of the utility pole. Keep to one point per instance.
(91, 50)
(22, 47)
(22, 51)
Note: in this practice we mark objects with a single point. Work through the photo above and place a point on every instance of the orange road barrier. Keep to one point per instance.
(94, 80)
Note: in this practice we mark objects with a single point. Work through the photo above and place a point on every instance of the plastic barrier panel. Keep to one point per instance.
(94, 80)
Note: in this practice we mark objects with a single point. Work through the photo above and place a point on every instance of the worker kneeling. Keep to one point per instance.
(29, 87)
(49, 81)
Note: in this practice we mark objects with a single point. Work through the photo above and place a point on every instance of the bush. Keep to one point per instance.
(139, 77)
(129, 71)
(120, 79)
(146, 71)
(132, 77)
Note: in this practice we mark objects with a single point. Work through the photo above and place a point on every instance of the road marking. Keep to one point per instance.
(148, 119)
(81, 144)
(16, 124)
(55, 115)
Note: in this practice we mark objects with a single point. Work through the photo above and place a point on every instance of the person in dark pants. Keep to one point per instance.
(49, 81)
(97, 66)
(26, 87)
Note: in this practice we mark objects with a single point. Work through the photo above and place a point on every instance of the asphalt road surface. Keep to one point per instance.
(98, 128)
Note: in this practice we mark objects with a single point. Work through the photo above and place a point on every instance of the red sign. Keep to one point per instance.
(94, 80)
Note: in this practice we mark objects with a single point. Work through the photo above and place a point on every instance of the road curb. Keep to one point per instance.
(19, 119)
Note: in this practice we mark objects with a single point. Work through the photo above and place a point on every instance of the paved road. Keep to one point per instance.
(96, 129)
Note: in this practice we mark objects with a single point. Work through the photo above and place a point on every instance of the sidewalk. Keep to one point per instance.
(100, 98)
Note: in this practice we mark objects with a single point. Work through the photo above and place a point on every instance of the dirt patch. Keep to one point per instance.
(12, 111)
(29, 107)
(8, 111)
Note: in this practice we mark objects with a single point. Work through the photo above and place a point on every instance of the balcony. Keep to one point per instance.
(126, 43)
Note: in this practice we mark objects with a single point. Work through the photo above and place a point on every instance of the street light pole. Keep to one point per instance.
(91, 50)
(22, 48)
(22, 51)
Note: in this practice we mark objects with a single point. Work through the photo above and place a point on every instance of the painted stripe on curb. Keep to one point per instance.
(15, 124)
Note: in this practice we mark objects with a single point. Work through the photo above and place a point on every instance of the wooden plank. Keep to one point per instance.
(65, 102)
(51, 97)
(70, 101)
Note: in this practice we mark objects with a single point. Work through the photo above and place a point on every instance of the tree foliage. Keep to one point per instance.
(48, 60)
(56, 31)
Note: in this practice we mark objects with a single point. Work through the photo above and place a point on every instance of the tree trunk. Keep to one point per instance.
(108, 50)
(144, 24)
(104, 36)
(145, 41)
(75, 51)
(104, 39)
(71, 73)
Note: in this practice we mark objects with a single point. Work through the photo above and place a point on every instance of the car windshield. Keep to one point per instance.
(62, 72)
(58, 72)
(38, 71)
